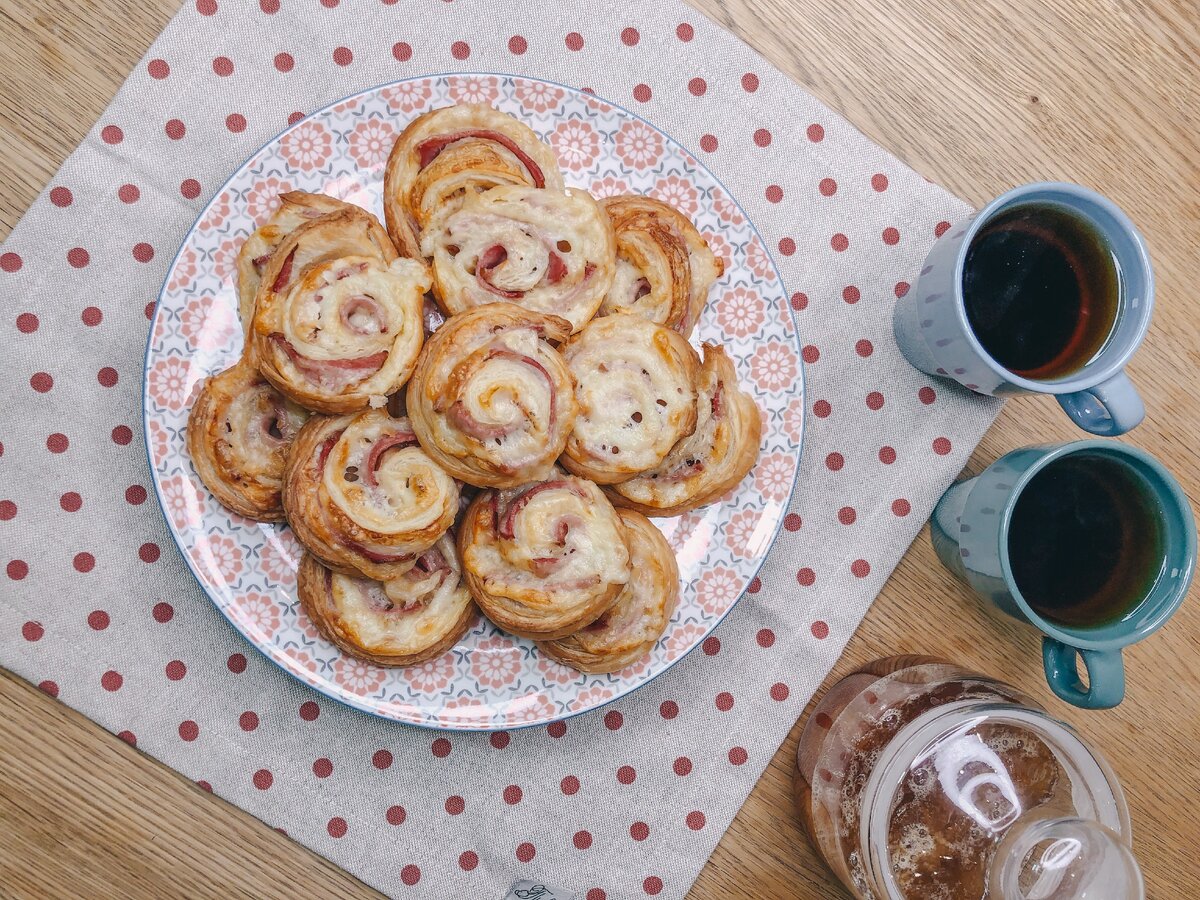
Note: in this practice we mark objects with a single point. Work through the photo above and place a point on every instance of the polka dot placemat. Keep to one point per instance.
(99, 610)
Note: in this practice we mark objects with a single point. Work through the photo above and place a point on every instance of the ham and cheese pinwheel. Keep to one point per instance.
(362, 495)
(635, 383)
(337, 321)
(549, 251)
(545, 559)
(709, 462)
(491, 401)
(632, 626)
(407, 620)
(448, 154)
(664, 267)
(295, 208)
(238, 434)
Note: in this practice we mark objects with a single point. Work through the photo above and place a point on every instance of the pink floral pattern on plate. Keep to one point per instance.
(490, 680)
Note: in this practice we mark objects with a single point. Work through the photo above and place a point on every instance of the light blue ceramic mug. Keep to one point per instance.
(933, 332)
(971, 533)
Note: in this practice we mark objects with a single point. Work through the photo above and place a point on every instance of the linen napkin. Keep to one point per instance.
(98, 608)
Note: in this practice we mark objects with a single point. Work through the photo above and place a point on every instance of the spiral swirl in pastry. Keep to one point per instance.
(664, 267)
(549, 251)
(709, 462)
(295, 208)
(632, 625)
(447, 154)
(546, 559)
(635, 383)
(362, 495)
(338, 320)
(238, 434)
(407, 620)
(491, 401)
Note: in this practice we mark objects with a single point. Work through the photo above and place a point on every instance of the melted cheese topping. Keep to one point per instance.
(554, 250)
(411, 493)
(566, 546)
(635, 386)
(404, 615)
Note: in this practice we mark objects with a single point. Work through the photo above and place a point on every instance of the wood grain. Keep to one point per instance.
(978, 95)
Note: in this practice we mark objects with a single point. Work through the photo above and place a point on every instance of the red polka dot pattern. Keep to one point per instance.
(855, 453)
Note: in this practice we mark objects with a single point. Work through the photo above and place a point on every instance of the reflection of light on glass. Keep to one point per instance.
(1054, 868)
(969, 751)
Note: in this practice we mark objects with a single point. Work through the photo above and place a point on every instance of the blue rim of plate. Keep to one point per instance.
(345, 701)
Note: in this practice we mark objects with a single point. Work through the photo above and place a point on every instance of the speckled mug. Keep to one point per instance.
(970, 534)
(931, 328)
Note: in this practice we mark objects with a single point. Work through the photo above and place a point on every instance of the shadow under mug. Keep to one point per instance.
(931, 327)
(970, 529)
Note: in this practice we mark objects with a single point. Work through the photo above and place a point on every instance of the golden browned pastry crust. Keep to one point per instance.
(417, 616)
(713, 459)
(362, 495)
(549, 251)
(338, 318)
(448, 154)
(491, 401)
(635, 383)
(238, 434)
(632, 626)
(546, 559)
(664, 266)
(295, 208)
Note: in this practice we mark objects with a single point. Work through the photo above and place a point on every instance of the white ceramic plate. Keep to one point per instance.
(490, 680)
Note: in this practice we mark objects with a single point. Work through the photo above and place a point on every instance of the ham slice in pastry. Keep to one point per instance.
(545, 559)
(549, 251)
(491, 401)
(338, 318)
(635, 383)
(362, 495)
(709, 462)
(411, 618)
(664, 267)
(446, 155)
(295, 208)
(632, 626)
(239, 432)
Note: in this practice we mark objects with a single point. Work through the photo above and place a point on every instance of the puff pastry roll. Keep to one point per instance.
(635, 383)
(338, 317)
(491, 401)
(632, 626)
(549, 251)
(239, 432)
(709, 462)
(295, 208)
(664, 267)
(417, 616)
(362, 495)
(447, 154)
(545, 559)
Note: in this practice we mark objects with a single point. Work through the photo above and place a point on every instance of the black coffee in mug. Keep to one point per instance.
(1041, 289)
(1086, 541)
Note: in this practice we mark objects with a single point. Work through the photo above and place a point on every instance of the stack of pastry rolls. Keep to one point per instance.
(503, 455)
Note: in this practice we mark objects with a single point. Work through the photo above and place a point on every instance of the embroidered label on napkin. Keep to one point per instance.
(535, 890)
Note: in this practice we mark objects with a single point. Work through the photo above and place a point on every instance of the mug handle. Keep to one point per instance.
(1110, 408)
(1106, 674)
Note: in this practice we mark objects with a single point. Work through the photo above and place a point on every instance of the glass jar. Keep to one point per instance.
(919, 780)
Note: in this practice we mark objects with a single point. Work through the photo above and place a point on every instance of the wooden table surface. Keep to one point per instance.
(978, 95)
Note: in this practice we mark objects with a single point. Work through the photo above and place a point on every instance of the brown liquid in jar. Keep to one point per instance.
(951, 808)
